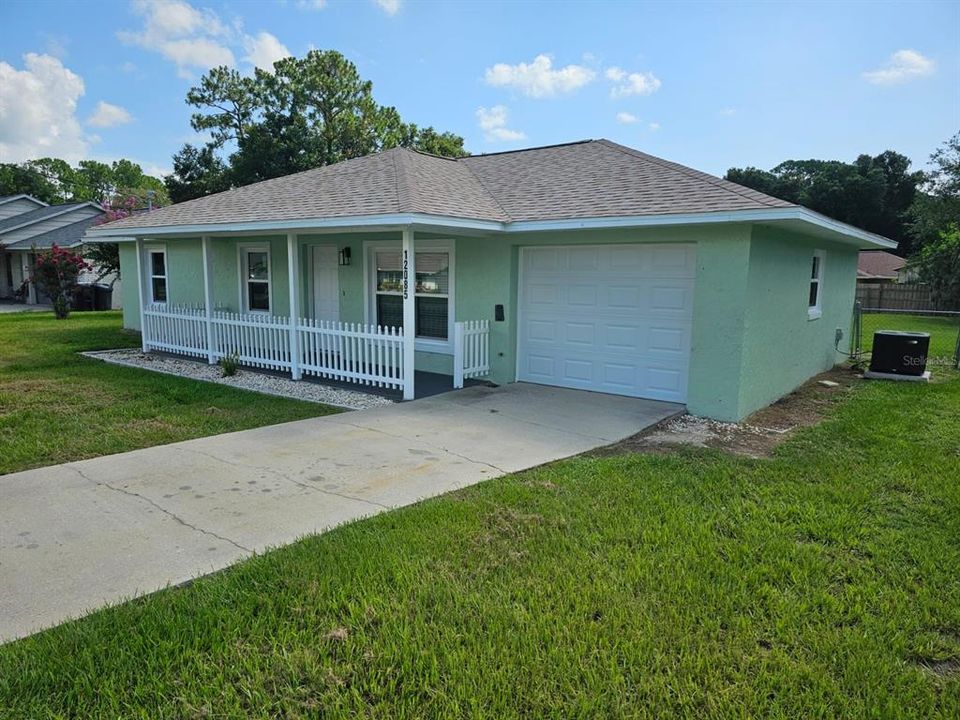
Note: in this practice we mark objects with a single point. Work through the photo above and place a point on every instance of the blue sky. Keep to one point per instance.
(711, 85)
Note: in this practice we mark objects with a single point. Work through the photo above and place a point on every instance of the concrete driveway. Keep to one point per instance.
(74, 537)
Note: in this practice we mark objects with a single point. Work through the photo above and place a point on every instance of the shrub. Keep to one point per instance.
(55, 272)
(229, 364)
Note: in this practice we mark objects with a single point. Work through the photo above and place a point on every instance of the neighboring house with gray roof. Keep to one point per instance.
(16, 204)
(27, 224)
(587, 265)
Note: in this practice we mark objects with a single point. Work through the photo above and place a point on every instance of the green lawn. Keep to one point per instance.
(943, 333)
(57, 406)
(824, 582)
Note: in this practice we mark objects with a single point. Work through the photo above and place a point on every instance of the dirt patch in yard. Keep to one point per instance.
(759, 434)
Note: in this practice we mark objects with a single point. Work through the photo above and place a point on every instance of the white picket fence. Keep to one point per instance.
(471, 350)
(366, 354)
(257, 340)
(181, 330)
(352, 352)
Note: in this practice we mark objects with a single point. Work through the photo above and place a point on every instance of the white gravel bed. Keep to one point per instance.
(245, 379)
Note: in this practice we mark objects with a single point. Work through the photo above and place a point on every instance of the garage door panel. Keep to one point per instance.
(543, 294)
(614, 319)
(581, 333)
(581, 259)
(582, 295)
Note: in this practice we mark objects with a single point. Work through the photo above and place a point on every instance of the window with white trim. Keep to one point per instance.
(432, 295)
(814, 297)
(256, 279)
(157, 266)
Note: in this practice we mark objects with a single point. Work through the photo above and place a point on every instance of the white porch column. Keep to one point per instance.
(409, 260)
(142, 291)
(208, 296)
(293, 280)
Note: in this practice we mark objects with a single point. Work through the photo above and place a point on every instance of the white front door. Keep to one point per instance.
(326, 283)
(609, 318)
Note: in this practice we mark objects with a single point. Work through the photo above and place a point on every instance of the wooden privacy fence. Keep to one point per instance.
(352, 352)
(898, 296)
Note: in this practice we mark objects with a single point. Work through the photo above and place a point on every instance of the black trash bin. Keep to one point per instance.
(83, 298)
(103, 297)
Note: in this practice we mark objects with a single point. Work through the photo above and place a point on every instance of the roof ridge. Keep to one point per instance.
(490, 194)
(727, 185)
(529, 149)
(425, 153)
(396, 182)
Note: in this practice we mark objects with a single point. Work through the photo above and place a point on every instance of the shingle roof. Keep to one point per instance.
(37, 215)
(18, 196)
(593, 178)
(879, 264)
(66, 236)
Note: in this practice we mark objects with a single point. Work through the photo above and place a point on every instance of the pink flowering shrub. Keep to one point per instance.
(55, 272)
(118, 208)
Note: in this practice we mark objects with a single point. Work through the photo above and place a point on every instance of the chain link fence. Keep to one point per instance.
(942, 325)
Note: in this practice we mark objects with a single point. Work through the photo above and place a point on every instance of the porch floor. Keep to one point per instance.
(426, 384)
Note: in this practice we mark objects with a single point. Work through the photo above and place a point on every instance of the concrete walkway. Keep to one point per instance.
(74, 537)
(8, 306)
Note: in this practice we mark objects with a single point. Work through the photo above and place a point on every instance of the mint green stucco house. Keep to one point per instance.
(588, 265)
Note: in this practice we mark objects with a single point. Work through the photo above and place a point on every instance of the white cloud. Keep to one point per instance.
(264, 50)
(191, 38)
(615, 74)
(539, 79)
(38, 107)
(198, 39)
(637, 83)
(108, 115)
(157, 171)
(390, 7)
(902, 66)
(493, 122)
(626, 118)
(728, 112)
(654, 126)
(128, 67)
(311, 4)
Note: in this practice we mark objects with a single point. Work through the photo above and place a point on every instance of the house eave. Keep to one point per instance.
(23, 196)
(357, 223)
(796, 216)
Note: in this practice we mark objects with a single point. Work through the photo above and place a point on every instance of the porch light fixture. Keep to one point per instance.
(345, 256)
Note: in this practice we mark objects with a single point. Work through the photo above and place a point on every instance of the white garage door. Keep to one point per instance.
(609, 318)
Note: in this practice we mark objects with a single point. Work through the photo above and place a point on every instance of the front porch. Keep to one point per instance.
(239, 309)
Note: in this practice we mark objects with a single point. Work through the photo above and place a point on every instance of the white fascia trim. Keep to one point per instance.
(736, 216)
(354, 221)
(843, 228)
(24, 196)
(434, 222)
(51, 215)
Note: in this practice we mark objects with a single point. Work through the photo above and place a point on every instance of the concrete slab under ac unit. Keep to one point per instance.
(871, 375)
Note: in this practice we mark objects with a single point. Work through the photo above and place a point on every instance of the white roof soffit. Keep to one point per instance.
(798, 218)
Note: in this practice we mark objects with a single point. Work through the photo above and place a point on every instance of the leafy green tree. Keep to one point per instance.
(58, 173)
(232, 100)
(873, 193)
(937, 208)
(938, 264)
(55, 181)
(308, 112)
(196, 172)
(23, 179)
